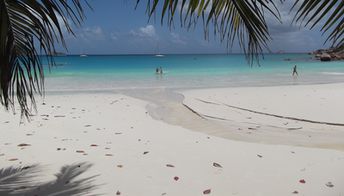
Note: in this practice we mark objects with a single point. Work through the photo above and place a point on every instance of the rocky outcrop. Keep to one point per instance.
(325, 57)
(329, 54)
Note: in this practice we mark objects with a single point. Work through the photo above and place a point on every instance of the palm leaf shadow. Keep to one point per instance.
(20, 181)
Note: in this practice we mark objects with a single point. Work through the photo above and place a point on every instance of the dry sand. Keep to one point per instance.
(135, 154)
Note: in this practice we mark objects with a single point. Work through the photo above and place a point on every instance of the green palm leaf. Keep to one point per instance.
(231, 20)
(24, 22)
(328, 13)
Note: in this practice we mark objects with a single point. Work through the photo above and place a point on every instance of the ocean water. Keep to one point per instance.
(186, 71)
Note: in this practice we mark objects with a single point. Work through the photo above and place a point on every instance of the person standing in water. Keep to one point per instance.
(295, 71)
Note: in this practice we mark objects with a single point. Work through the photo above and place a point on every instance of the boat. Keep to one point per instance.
(157, 52)
(83, 55)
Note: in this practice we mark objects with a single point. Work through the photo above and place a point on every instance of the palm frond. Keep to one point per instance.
(232, 20)
(23, 24)
(328, 13)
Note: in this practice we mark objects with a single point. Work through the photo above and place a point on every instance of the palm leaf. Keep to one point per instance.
(328, 13)
(23, 24)
(232, 20)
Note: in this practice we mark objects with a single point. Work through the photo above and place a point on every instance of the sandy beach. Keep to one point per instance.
(231, 141)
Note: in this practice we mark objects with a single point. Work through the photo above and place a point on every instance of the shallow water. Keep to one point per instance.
(187, 71)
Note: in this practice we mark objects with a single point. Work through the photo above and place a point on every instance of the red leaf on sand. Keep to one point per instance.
(302, 181)
(118, 193)
(94, 145)
(176, 178)
(217, 165)
(80, 151)
(13, 159)
(206, 192)
(169, 165)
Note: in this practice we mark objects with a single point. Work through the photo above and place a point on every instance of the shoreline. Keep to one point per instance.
(168, 105)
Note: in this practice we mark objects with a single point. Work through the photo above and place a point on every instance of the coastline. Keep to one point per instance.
(130, 136)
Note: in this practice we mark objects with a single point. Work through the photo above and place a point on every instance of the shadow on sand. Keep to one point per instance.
(15, 181)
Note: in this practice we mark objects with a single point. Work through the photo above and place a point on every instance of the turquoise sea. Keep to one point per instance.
(96, 72)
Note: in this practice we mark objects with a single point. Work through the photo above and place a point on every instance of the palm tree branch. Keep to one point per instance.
(242, 20)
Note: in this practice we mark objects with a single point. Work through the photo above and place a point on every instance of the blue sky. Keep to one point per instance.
(115, 27)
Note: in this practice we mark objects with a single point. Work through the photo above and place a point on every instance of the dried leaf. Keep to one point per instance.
(23, 145)
(169, 165)
(80, 151)
(118, 193)
(176, 178)
(302, 181)
(295, 192)
(146, 152)
(329, 184)
(217, 165)
(13, 159)
(206, 192)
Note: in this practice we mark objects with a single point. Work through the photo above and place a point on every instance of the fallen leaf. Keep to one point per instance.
(217, 165)
(109, 155)
(23, 145)
(206, 192)
(295, 192)
(146, 152)
(59, 116)
(329, 184)
(118, 133)
(169, 165)
(118, 193)
(176, 178)
(13, 159)
(80, 151)
(302, 181)
(94, 145)
(120, 166)
(260, 156)
(88, 125)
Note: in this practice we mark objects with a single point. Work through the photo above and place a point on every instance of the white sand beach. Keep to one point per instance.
(224, 151)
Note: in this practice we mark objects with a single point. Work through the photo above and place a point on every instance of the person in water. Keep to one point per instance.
(295, 71)
(158, 70)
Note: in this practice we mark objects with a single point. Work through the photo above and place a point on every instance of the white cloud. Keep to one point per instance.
(93, 33)
(177, 39)
(114, 36)
(144, 32)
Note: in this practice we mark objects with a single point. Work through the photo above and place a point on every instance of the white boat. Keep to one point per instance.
(157, 52)
(83, 55)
